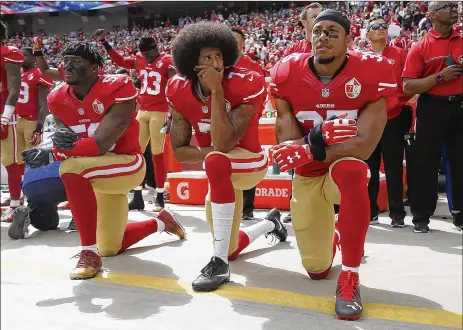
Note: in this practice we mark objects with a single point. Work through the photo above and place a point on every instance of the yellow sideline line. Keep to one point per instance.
(399, 313)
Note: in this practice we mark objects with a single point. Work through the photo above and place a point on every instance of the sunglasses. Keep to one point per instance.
(448, 6)
(377, 26)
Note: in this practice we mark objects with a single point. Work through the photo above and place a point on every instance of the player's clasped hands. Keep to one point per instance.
(338, 130)
(289, 156)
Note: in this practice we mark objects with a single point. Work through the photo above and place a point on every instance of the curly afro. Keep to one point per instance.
(189, 42)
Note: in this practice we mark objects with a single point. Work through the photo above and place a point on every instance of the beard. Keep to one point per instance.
(327, 60)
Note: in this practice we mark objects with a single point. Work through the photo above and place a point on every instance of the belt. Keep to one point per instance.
(450, 98)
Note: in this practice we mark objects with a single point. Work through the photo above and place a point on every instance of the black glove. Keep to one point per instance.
(64, 138)
(38, 157)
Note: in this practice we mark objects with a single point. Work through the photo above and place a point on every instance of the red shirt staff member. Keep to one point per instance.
(308, 15)
(392, 143)
(433, 69)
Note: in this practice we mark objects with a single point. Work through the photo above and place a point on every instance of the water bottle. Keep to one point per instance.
(276, 169)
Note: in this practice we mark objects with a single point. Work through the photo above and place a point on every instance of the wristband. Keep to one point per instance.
(37, 53)
(8, 111)
(83, 148)
(38, 128)
(107, 46)
(318, 152)
(316, 136)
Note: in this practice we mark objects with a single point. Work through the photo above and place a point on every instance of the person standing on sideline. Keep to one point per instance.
(433, 69)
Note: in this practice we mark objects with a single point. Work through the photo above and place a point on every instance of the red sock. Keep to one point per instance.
(218, 171)
(352, 178)
(21, 167)
(242, 244)
(136, 231)
(82, 202)
(159, 170)
(14, 180)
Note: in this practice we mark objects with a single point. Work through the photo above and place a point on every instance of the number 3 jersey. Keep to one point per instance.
(241, 86)
(364, 79)
(84, 117)
(28, 104)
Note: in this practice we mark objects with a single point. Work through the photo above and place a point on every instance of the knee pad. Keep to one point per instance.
(350, 174)
(217, 167)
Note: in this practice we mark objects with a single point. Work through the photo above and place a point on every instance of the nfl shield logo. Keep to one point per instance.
(31, 76)
(325, 92)
(159, 64)
(205, 109)
(80, 111)
(98, 107)
(353, 88)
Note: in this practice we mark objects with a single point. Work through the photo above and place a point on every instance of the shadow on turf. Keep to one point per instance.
(127, 303)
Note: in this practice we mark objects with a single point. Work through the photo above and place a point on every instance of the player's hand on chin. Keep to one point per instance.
(210, 77)
(289, 156)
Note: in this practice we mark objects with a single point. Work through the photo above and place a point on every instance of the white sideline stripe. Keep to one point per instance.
(125, 98)
(116, 170)
(257, 164)
(387, 85)
(253, 96)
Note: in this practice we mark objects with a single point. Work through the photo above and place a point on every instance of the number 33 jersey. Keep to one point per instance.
(84, 117)
(154, 79)
(364, 79)
(241, 86)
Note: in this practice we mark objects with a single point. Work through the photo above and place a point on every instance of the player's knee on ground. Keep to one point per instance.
(314, 264)
(217, 167)
(107, 251)
(350, 174)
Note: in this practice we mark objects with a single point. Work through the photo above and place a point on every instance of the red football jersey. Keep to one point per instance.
(154, 79)
(240, 86)
(84, 117)
(27, 106)
(301, 46)
(8, 55)
(365, 79)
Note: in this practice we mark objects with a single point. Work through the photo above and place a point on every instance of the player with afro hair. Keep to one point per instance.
(187, 45)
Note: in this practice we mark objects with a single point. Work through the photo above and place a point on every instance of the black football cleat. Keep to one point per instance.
(348, 301)
(216, 273)
(280, 231)
(137, 202)
(158, 202)
(421, 229)
(21, 221)
(247, 215)
(72, 225)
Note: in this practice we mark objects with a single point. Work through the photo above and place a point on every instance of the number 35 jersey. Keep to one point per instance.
(154, 79)
(84, 117)
(241, 86)
(364, 79)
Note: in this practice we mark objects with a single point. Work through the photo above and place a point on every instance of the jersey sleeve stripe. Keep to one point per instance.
(47, 83)
(387, 85)
(11, 60)
(126, 98)
(254, 95)
(381, 89)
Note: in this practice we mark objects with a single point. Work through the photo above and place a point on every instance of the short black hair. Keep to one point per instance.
(85, 50)
(146, 43)
(122, 71)
(239, 32)
(187, 46)
(2, 30)
(27, 49)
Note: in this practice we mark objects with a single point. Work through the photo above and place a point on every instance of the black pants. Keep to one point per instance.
(43, 197)
(248, 199)
(438, 120)
(391, 147)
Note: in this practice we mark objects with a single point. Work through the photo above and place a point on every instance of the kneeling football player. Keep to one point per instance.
(101, 157)
(221, 104)
(328, 153)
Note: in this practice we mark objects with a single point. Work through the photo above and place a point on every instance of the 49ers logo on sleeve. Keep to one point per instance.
(159, 64)
(460, 58)
(98, 107)
(353, 88)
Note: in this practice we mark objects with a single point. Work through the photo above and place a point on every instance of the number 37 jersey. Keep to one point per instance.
(154, 79)
(364, 79)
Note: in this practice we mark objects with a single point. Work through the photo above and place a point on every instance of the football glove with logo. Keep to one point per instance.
(289, 156)
(37, 46)
(4, 124)
(36, 137)
(38, 157)
(64, 138)
(331, 131)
